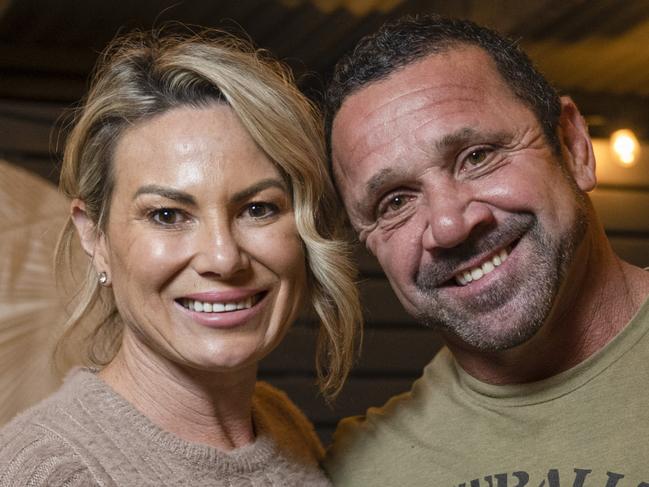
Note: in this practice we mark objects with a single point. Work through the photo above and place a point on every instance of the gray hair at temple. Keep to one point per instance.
(142, 75)
(409, 39)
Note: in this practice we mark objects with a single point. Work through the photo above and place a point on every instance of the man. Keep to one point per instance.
(466, 176)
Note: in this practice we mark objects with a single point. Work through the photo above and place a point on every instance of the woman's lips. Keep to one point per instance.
(223, 310)
(220, 304)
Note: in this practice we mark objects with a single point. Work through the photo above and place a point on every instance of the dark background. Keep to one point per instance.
(597, 51)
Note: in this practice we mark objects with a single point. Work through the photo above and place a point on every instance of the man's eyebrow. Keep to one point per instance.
(258, 188)
(468, 135)
(165, 192)
(374, 185)
(378, 180)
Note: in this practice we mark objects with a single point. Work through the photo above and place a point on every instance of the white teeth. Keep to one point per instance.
(205, 307)
(478, 272)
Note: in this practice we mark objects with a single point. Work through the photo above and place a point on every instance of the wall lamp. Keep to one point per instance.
(625, 147)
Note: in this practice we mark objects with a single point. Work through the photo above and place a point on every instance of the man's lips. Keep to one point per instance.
(477, 272)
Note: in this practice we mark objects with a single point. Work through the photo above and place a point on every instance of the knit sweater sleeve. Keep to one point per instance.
(32, 455)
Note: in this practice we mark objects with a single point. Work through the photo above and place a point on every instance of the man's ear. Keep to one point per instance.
(577, 147)
(93, 241)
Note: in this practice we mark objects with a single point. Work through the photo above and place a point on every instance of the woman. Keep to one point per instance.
(198, 189)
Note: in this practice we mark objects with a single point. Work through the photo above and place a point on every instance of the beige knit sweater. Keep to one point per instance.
(87, 435)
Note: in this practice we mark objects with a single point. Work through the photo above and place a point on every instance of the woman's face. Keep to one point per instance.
(201, 247)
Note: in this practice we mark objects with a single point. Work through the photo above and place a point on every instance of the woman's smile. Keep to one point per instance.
(223, 309)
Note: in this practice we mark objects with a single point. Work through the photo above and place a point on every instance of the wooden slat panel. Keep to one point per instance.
(633, 250)
(381, 306)
(367, 263)
(385, 351)
(622, 211)
(27, 127)
(358, 395)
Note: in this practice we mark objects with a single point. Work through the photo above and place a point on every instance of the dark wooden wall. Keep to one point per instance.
(395, 347)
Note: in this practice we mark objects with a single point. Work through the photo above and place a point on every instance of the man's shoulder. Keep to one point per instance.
(366, 447)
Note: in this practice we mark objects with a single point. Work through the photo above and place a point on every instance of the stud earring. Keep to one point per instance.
(103, 278)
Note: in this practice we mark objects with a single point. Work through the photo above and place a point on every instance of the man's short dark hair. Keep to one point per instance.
(409, 39)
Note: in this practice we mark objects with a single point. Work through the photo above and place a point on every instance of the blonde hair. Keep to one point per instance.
(142, 75)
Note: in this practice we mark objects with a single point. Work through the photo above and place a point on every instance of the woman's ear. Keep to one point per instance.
(93, 241)
(578, 155)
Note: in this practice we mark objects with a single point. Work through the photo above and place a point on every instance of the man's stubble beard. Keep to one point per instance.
(526, 297)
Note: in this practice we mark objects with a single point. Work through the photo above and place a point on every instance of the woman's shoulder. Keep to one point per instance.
(35, 447)
(277, 415)
(31, 453)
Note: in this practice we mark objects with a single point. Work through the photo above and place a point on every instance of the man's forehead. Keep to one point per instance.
(367, 118)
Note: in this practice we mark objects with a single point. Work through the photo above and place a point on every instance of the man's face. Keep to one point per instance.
(450, 182)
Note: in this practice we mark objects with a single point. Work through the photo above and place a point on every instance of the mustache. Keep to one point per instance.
(483, 240)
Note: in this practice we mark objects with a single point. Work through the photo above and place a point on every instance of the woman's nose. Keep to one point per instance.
(219, 252)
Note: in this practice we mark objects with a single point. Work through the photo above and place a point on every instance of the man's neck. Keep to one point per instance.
(599, 297)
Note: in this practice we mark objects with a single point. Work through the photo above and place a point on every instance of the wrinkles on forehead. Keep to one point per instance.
(370, 131)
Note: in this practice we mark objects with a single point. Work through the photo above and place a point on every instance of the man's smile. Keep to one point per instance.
(478, 272)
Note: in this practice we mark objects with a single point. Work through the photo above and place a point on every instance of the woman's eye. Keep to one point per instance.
(261, 210)
(167, 216)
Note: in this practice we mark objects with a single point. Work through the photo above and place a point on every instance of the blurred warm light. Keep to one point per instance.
(625, 147)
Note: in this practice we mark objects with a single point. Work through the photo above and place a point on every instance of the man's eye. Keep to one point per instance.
(167, 216)
(394, 204)
(477, 156)
(261, 210)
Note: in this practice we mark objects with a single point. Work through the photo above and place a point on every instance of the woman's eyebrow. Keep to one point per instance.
(166, 192)
(257, 188)
(188, 199)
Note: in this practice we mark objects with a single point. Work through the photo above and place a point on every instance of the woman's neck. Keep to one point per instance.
(212, 408)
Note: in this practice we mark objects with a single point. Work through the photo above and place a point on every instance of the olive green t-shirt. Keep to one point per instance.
(586, 427)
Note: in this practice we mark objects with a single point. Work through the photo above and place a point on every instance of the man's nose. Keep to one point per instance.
(218, 251)
(452, 215)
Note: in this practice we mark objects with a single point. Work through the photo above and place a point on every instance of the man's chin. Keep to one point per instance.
(492, 323)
